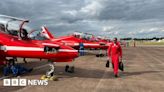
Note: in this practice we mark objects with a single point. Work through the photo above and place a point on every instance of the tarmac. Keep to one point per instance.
(144, 72)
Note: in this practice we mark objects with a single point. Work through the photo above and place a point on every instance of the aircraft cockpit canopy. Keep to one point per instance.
(85, 36)
(16, 27)
(11, 25)
(36, 35)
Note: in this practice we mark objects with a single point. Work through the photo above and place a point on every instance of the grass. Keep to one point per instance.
(145, 43)
(154, 43)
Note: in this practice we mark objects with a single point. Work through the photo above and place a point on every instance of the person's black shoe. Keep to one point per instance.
(107, 64)
(97, 55)
(116, 76)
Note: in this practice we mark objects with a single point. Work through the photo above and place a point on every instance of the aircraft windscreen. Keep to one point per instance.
(36, 35)
(2, 28)
(85, 36)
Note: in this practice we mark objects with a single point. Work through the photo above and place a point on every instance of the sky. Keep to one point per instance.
(110, 18)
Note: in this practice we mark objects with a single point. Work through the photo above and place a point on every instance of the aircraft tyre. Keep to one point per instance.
(72, 69)
(66, 68)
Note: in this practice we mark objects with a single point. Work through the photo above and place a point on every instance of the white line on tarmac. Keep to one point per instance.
(101, 80)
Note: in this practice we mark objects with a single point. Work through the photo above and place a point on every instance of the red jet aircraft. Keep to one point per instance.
(89, 41)
(18, 43)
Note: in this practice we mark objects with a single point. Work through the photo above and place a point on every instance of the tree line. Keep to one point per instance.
(153, 38)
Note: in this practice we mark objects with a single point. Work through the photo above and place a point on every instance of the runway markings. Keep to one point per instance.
(101, 80)
(150, 64)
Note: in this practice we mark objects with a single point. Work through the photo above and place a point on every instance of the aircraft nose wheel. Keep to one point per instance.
(69, 69)
(72, 69)
(66, 68)
(100, 55)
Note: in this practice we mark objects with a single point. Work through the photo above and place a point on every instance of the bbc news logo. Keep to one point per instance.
(24, 82)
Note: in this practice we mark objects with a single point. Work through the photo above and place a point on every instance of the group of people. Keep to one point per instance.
(14, 69)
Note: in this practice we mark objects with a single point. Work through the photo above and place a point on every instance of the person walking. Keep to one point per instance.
(115, 53)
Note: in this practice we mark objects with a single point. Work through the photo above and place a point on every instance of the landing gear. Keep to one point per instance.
(66, 68)
(72, 69)
(69, 69)
(11, 61)
(100, 54)
(50, 74)
(24, 59)
(15, 59)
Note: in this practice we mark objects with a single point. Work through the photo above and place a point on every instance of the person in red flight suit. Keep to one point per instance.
(115, 53)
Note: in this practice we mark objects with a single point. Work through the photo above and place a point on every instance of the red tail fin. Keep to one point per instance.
(46, 33)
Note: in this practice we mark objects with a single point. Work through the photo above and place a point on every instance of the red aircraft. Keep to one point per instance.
(19, 43)
(89, 41)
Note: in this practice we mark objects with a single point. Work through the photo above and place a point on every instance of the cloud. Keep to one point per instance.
(131, 33)
(107, 28)
(93, 8)
(71, 12)
(122, 18)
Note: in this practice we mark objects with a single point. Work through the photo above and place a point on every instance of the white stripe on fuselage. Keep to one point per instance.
(90, 44)
(19, 48)
(49, 44)
(85, 44)
(67, 50)
(77, 44)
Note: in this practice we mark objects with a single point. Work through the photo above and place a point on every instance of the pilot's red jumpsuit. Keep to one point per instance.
(115, 51)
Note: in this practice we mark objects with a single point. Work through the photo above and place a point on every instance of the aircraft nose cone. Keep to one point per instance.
(69, 52)
(76, 53)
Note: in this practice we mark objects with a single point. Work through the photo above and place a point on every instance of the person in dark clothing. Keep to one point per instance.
(6, 69)
(18, 69)
(81, 49)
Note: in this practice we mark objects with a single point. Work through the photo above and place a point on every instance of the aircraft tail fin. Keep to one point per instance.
(46, 33)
